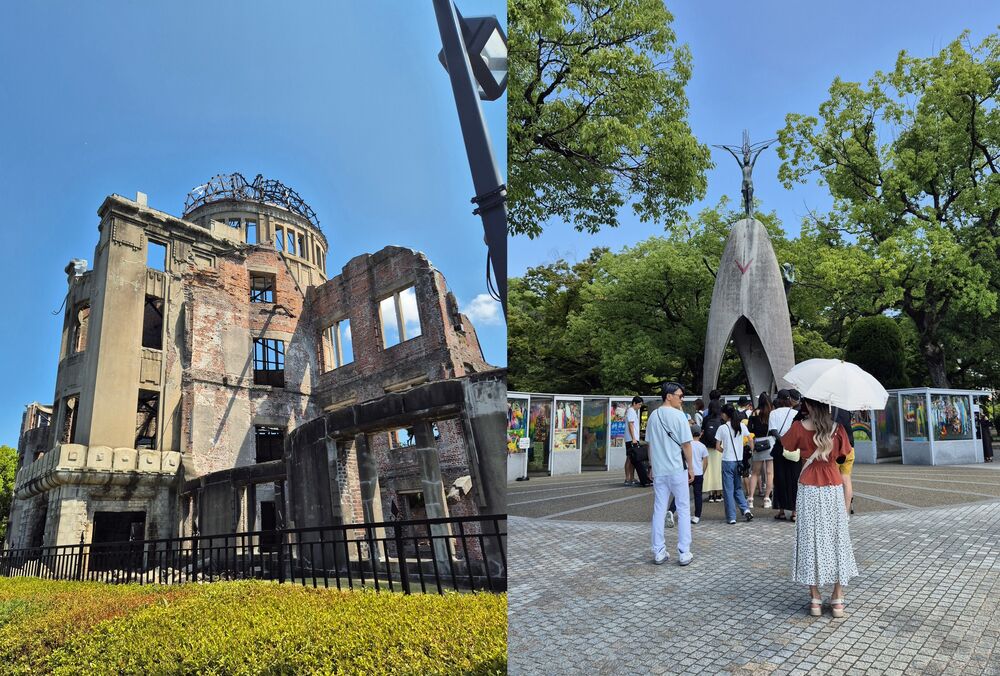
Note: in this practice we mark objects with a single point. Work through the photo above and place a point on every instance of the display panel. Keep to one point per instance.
(861, 426)
(517, 424)
(887, 439)
(539, 422)
(566, 430)
(915, 417)
(594, 434)
(619, 407)
(951, 417)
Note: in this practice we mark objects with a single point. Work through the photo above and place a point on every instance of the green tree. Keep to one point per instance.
(922, 208)
(597, 115)
(8, 468)
(876, 345)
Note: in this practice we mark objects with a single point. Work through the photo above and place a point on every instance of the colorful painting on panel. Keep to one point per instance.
(567, 426)
(861, 426)
(618, 410)
(517, 424)
(915, 417)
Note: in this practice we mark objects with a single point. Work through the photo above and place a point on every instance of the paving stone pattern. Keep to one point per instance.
(585, 598)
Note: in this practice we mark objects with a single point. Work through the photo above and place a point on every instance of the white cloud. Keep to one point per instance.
(483, 310)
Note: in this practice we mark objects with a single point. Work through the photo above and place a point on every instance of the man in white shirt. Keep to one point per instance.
(632, 464)
(669, 438)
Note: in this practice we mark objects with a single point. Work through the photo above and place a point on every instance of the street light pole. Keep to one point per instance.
(491, 192)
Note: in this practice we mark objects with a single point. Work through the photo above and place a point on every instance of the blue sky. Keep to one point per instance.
(754, 62)
(343, 101)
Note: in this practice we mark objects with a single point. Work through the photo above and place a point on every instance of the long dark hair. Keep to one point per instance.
(764, 408)
(714, 409)
(733, 419)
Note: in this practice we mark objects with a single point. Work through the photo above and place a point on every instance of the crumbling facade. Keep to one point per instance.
(196, 345)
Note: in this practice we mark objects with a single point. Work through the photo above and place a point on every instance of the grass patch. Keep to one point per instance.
(245, 628)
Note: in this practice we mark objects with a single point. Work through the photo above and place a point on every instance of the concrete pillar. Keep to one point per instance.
(433, 489)
(485, 425)
(371, 493)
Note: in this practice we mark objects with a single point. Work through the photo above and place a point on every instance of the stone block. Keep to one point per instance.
(99, 457)
(125, 459)
(170, 462)
(463, 484)
(72, 456)
(149, 461)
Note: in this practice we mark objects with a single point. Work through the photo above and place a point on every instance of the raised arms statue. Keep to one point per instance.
(747, 158)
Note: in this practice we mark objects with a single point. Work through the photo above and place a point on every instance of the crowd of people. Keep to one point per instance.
(798, 451)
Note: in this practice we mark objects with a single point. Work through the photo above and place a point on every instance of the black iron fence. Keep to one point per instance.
(426, 555)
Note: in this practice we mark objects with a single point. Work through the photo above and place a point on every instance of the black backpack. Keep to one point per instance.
(709, 427)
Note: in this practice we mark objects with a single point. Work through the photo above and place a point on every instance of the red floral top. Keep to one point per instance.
(819, 472)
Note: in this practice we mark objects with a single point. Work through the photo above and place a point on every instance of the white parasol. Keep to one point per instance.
(838, 383)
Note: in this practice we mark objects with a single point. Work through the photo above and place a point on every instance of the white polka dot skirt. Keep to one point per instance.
(822, 553)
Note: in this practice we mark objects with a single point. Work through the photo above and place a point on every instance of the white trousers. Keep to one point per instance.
(663, 487)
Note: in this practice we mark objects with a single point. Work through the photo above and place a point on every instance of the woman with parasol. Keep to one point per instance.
(823, 553)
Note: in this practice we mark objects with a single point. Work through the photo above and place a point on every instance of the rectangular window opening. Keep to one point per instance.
(70, 406)
(401, 438)
(147, 413)
(269, 443)
(261, 288)
(80, 325)
(251, 232)
(338, 349)
(319, 258)
(156, 255)
(234, 223)
(269, 362)
(291, 242)
(400, 317)
(302, 247)
(152, 323)
(279, 239)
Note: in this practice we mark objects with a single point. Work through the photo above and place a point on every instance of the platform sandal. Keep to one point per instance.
(815, 606)
(837, 612)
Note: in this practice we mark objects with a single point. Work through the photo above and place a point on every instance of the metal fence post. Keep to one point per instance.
(404, 576)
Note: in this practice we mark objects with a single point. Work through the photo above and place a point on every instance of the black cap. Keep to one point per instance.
(743, 401)
(795, 395)
(784, 394)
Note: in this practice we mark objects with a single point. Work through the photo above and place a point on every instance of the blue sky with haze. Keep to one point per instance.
(343, 101)
(754, 62)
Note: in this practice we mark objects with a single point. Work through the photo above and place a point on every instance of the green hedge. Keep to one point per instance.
(245, 628)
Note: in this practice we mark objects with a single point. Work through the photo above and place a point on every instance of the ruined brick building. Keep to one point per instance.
(196, 345)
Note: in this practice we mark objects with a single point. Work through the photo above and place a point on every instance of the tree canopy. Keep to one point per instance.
(597, 115)
(8, 468)
(911, 160)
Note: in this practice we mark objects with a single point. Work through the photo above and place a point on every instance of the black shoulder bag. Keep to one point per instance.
(777, 449)
(742, 464)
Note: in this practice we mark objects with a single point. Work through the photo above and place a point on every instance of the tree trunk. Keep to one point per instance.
(934, 358)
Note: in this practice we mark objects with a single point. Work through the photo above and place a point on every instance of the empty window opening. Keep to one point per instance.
(400, 318)
(156, 256)
(279, 239)
(303, 251)
(251, 232)
(337, 345)
(152, 323)
(291, 242)
(41, 419)
(402, 438)
(261, 288)
(269, 362)
(319, 258)
(234, 223)
(269, 443)
(70, 406)
(146, 417)
(80, 325)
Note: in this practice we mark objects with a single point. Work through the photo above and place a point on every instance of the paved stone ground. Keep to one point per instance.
(600, 496)
(585, 598)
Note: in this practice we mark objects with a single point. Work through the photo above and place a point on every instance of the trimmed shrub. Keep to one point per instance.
(256, 628)
(876, 345)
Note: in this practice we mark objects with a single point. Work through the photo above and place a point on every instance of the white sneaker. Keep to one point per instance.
(695, 519)
(685, 558)
(670, 519)
(767, 503)
(661, 558)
